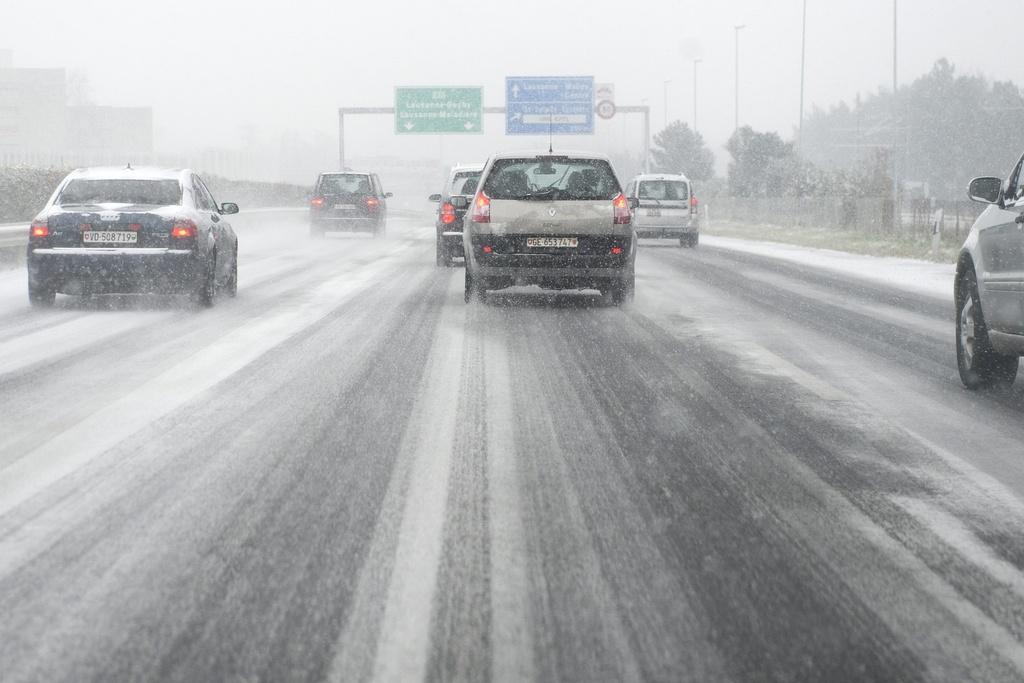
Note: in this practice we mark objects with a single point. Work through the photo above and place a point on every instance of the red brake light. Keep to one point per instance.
(135, 227)
(481, 208)
(693, 201)
(448, 213)
(372, 203)
(39, 229)
(616, 250)
(488, 249)
(620, 206)
(183, 230)
(317, 202)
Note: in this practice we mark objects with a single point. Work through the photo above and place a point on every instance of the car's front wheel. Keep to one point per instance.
(979, 364)
(231, 288)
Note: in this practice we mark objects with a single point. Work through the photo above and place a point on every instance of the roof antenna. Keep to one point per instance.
(551, 133)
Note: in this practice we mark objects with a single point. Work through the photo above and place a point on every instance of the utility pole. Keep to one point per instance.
(695, 63)
(803, 62)
(738, 28)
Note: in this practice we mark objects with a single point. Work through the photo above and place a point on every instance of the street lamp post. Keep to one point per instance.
(738, 28)
(695, 63)
(665, 83)
(803, 61)
(896, 220)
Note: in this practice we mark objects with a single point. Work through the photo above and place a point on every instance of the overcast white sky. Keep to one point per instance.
(213, 69)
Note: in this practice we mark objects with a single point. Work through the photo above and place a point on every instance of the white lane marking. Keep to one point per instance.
(954, 532)
(403, 649)
(512, 657)
(61, 340)
(115, 422)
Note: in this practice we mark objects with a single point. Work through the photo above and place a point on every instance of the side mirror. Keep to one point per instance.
(460, 202)
(229, 208)
(389, 195)
(986, 190)
(434, 198)
(634, 203)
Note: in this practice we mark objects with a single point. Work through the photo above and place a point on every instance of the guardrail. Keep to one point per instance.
(13, 239)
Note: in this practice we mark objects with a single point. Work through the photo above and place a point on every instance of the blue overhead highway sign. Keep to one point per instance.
(538, 105)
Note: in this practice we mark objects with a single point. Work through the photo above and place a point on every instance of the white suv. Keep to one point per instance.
(989, 286)
(666, 207)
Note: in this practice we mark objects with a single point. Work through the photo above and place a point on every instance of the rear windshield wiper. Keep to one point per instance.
(541, 194)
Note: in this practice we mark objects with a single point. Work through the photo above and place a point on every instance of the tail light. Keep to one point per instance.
(39, 228)
(487, 249)
(693, 204)
(481, 208)
(621, 209)
(316, 202)
(372, 203)
(447, 213)
(183, 230)
(617, 250)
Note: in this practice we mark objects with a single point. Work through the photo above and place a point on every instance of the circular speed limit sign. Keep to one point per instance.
(606, 109)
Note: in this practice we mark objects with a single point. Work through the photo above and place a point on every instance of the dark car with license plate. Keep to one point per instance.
(348, 201)
(451, 209)
(132, 231)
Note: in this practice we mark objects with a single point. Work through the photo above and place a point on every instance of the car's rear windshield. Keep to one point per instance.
(465, 182)
(345, 183)
(551, 178)
(151, 192)
(667, 190)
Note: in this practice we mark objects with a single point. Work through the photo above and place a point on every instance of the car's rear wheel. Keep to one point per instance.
(316, 231)
(442, 256)
(622, 290)
(380, 229)
(206, 289)
(40, 295)
(474, 288)
(979, 364)
(689, 240)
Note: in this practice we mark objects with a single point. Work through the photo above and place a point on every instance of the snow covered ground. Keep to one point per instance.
(921, 277)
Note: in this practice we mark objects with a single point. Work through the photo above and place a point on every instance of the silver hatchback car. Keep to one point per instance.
(560, 221)
(989, 287)
(666, 207)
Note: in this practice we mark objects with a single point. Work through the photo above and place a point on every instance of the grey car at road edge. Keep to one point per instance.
(989, 285)
(666, 207)
(560, 221)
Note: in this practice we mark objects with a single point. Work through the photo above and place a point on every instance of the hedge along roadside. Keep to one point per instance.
(24, 191)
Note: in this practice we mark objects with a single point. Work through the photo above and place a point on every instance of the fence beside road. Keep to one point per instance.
(866, 215)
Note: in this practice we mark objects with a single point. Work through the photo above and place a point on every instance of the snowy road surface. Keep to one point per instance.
(758, 471)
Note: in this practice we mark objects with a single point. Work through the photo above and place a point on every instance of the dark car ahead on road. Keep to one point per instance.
(458, 189)
(348, 201)
(989, 285)
(560, 221)
(125, 230)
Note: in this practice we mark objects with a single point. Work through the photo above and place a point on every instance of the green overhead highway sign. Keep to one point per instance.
(439, 110)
